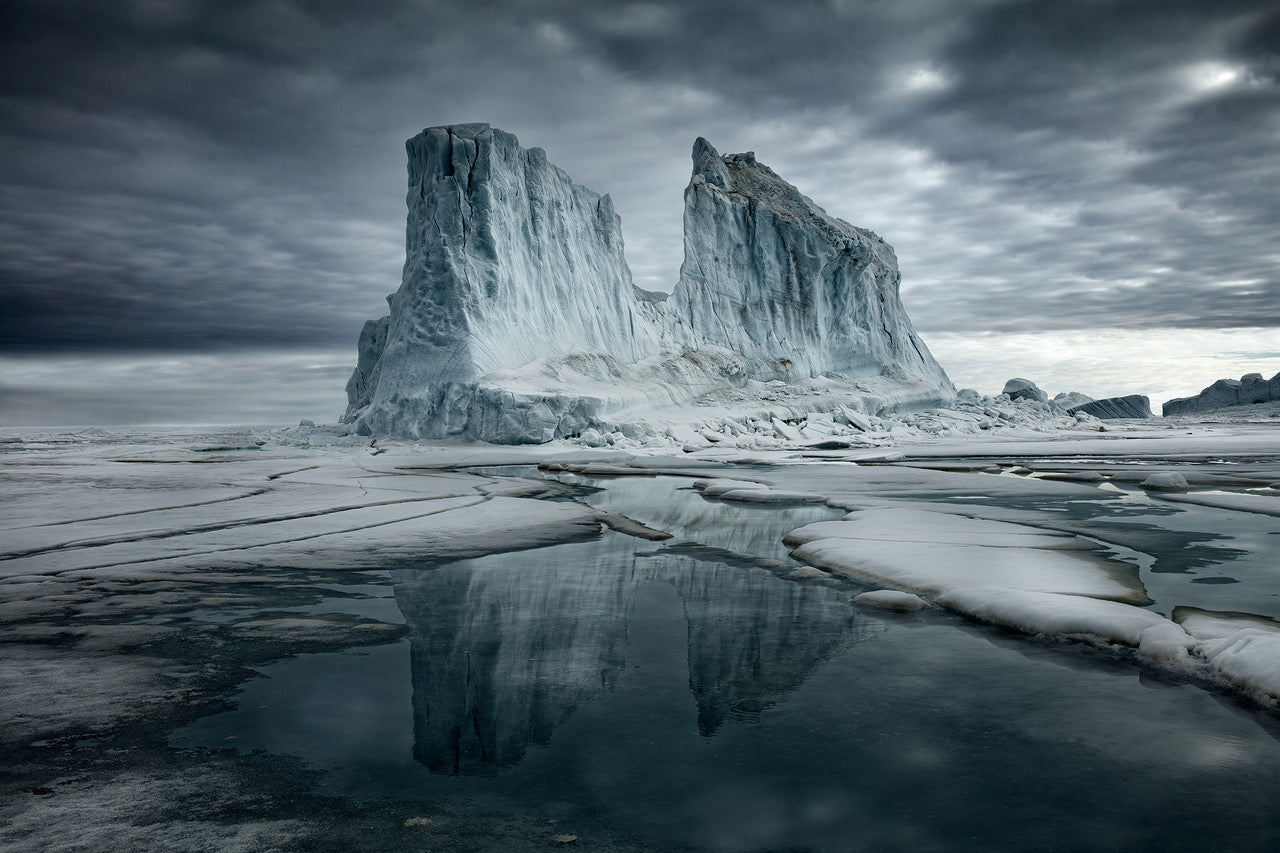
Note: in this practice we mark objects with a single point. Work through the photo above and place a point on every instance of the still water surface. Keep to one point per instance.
(685, 694)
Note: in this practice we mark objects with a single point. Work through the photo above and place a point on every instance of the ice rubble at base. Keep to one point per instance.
(517, 320)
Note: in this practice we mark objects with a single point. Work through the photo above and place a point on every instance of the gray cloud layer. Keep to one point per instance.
(193, 174)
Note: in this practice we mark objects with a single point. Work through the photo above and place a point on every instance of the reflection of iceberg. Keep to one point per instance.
(754, 637)
(504, 648)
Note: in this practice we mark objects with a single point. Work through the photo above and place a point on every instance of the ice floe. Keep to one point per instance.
(891, 599)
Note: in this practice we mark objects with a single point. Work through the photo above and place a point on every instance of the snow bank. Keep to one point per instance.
(1248, 659)
(933, 569)
(1056, 615)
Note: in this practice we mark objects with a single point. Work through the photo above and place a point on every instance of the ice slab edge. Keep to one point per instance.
(517, 321)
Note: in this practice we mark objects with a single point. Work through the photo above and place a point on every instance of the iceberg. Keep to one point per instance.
(507, 261)
(1110, 408)
(1024, 389)
(517, 320)
(1245, 391)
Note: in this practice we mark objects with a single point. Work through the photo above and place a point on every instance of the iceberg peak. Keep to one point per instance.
(708, 165)
(517, 319)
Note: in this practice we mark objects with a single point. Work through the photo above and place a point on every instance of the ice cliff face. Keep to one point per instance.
(1247, 390)
(1131, 406)
(516, 319)
(768, 274)
(507, 261)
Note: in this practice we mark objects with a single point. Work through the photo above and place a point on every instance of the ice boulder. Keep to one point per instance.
(1024, 389)
(1166, 481)
(1070, 400)
(1247, 390)
(1110, 408)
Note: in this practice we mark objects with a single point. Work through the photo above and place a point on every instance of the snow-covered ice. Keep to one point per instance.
(145, 573)
(891, 599)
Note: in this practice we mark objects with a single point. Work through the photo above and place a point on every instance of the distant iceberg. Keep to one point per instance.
(517, 321)
(1247, 390)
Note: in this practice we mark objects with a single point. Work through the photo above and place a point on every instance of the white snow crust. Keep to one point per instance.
(891, 599)
(934, 553)
(1053, 614)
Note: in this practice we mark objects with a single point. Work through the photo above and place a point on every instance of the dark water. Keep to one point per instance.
(685, 694)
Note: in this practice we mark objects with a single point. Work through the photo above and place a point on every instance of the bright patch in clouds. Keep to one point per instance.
(925, 79)
(1208, 76)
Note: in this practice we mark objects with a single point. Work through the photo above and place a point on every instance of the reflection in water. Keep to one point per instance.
(622, 655)
(504, 648)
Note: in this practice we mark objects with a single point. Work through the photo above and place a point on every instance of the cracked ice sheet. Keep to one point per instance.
(360, 538)
(77, 507)
(977, 566)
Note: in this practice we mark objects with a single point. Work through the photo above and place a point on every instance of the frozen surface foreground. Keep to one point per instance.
(269, 639)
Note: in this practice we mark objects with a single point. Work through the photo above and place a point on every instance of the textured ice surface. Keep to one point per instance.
(935, 568)
(1039, 612)
(1043, 573)
(1024, 389)
(1132, 406)
(1166, 481)
(516, 319)
(1248, 389)
(769, 274)
(891, 599)
(936, 552)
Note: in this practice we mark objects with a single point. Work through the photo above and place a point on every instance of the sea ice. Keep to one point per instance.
(1248, 659)
(891, 599)
(1165, 481)
(1058, 615)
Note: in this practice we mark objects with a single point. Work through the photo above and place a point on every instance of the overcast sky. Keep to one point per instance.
(228, 178)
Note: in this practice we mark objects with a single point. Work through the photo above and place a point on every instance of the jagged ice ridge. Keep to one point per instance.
(517, 320)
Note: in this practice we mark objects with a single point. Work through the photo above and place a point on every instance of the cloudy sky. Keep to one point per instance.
(202, 200)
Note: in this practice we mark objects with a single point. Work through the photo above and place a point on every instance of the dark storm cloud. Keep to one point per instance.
(211, 174)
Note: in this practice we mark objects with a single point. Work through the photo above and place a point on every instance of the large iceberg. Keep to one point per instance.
(517, 320)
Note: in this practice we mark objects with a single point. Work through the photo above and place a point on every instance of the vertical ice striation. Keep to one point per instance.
(507, 262)
(517, 320)
(767, 273)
